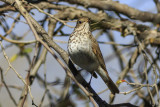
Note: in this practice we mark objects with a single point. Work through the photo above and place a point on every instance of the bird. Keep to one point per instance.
(84, 51)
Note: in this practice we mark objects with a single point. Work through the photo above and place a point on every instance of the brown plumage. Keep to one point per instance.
(85, 52)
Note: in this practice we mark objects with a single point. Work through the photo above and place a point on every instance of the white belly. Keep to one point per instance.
(81, 54)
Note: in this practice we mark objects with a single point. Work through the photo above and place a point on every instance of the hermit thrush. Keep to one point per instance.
(84, 51)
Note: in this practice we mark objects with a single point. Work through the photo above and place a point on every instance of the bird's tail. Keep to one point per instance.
(111, 85)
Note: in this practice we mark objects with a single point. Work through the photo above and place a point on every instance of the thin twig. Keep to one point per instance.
(3, 81)
(52, 16)
(17, 41)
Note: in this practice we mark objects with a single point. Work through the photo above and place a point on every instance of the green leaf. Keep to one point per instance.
(27, 50)
(13, 58)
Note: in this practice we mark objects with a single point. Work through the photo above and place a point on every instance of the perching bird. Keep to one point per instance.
(84, 51)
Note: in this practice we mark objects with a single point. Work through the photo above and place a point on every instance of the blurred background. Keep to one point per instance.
(117, 47)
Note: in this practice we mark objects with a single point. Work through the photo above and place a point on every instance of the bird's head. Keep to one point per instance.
(83, 24)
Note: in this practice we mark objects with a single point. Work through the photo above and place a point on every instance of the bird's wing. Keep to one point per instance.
(97, 52)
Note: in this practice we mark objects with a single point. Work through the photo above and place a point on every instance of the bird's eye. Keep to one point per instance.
(79, 22)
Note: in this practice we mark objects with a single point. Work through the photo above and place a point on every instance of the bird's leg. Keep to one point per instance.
(90, 78)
